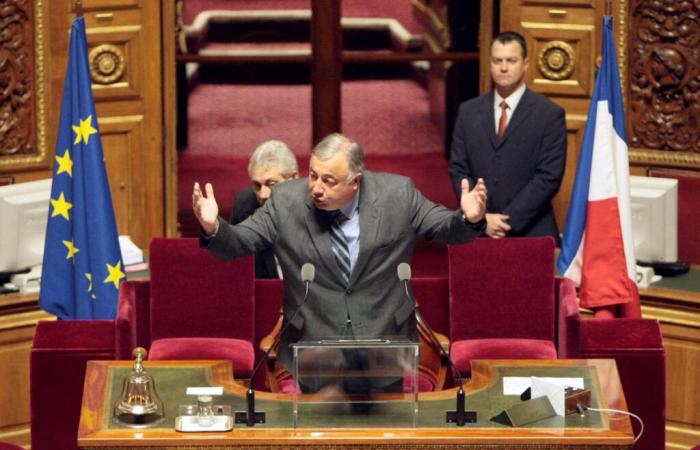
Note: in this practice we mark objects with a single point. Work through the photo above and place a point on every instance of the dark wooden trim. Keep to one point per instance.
(243, 59)
(345, 57)
(326, 68)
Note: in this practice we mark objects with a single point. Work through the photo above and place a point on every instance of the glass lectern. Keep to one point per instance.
(353, 383)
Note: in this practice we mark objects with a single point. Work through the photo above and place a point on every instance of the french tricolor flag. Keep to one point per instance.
(597, 250)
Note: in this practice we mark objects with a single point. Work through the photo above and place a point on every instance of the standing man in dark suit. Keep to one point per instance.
(515, 139)
(355, 227)
(272, 163)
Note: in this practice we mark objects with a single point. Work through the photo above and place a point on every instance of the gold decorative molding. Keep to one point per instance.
(107, 64)
(558, 26)
(23, 128)
(664, 158)
(180, 38)
(556, 60)
(622, 44)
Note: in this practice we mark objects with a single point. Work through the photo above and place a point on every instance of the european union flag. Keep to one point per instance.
(82, 266)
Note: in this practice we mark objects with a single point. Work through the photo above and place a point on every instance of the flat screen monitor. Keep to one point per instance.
(654, 204)
(24, 210)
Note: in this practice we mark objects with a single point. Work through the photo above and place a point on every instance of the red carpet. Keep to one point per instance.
(387, 117)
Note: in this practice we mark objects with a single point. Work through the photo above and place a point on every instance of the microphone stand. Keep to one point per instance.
(459, 416)
(250, 417)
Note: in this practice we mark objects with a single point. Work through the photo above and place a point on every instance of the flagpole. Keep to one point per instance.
(608, 7)
(78, 8)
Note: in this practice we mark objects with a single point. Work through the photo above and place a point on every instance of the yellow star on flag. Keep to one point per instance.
(61, 207)
(89, 277)
(65, 164)
(115, 274)
(84, 130)
(72, 249)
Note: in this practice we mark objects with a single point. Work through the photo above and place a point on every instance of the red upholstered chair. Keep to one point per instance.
(194, 307)
(8, 446)
(503, 303)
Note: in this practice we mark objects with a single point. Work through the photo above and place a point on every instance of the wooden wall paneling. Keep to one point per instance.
(122, 138)
(486, 32)
(575, 126)
(682, 344)
(16, 334)
(170, 114)
(678, 312)
(125, 55)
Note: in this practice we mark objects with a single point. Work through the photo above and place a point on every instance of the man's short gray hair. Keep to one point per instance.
(271, 153)
(333, 143)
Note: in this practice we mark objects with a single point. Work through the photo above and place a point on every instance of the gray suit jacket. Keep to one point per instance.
(523, 170)
(392, 212)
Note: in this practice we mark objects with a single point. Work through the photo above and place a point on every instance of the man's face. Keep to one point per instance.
(328, 182)
(507, 66)
(263, 179)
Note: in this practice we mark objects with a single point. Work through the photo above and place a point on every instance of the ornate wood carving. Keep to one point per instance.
(556, 60)
(17, 83)
(665, 75)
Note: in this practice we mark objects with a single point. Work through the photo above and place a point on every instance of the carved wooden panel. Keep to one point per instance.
(116, 54)
(16, 79)
(664, 52)
(21, 72)
(561, 60)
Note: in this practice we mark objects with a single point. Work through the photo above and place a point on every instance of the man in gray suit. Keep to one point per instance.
(515, 139)
(356, 292)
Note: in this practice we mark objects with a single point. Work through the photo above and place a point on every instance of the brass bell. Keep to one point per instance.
(139, 404)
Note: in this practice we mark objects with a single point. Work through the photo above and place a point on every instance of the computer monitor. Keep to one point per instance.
(654, 204)
(24, 210)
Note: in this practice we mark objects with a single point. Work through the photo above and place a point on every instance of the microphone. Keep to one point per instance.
(459, 416)
(250, 417)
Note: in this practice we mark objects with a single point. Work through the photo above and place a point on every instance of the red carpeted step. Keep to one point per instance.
(402, 10)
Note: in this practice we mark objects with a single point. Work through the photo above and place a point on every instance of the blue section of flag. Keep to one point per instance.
(77, 282)
(607, 88)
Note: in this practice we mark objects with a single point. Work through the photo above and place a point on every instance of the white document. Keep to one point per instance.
(553, 391)
(214, 390)
(131, 254)
(517, 385)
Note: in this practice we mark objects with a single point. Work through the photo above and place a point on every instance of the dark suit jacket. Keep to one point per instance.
(392, 212)
(244, 206)
(523, 170)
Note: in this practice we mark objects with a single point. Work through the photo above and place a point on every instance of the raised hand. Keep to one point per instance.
(205, 208)
(473, 203)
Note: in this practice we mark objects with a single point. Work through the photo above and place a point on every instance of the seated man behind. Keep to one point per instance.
(272, 163)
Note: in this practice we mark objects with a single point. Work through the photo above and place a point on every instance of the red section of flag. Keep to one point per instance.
(605, 280)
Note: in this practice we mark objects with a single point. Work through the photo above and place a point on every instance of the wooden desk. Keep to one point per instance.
(675, 303)
(594, 431)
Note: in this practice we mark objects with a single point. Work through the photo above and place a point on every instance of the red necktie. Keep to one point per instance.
(503, 121)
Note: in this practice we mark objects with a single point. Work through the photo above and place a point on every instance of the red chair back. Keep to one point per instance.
(193, 294)
(502, 288)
